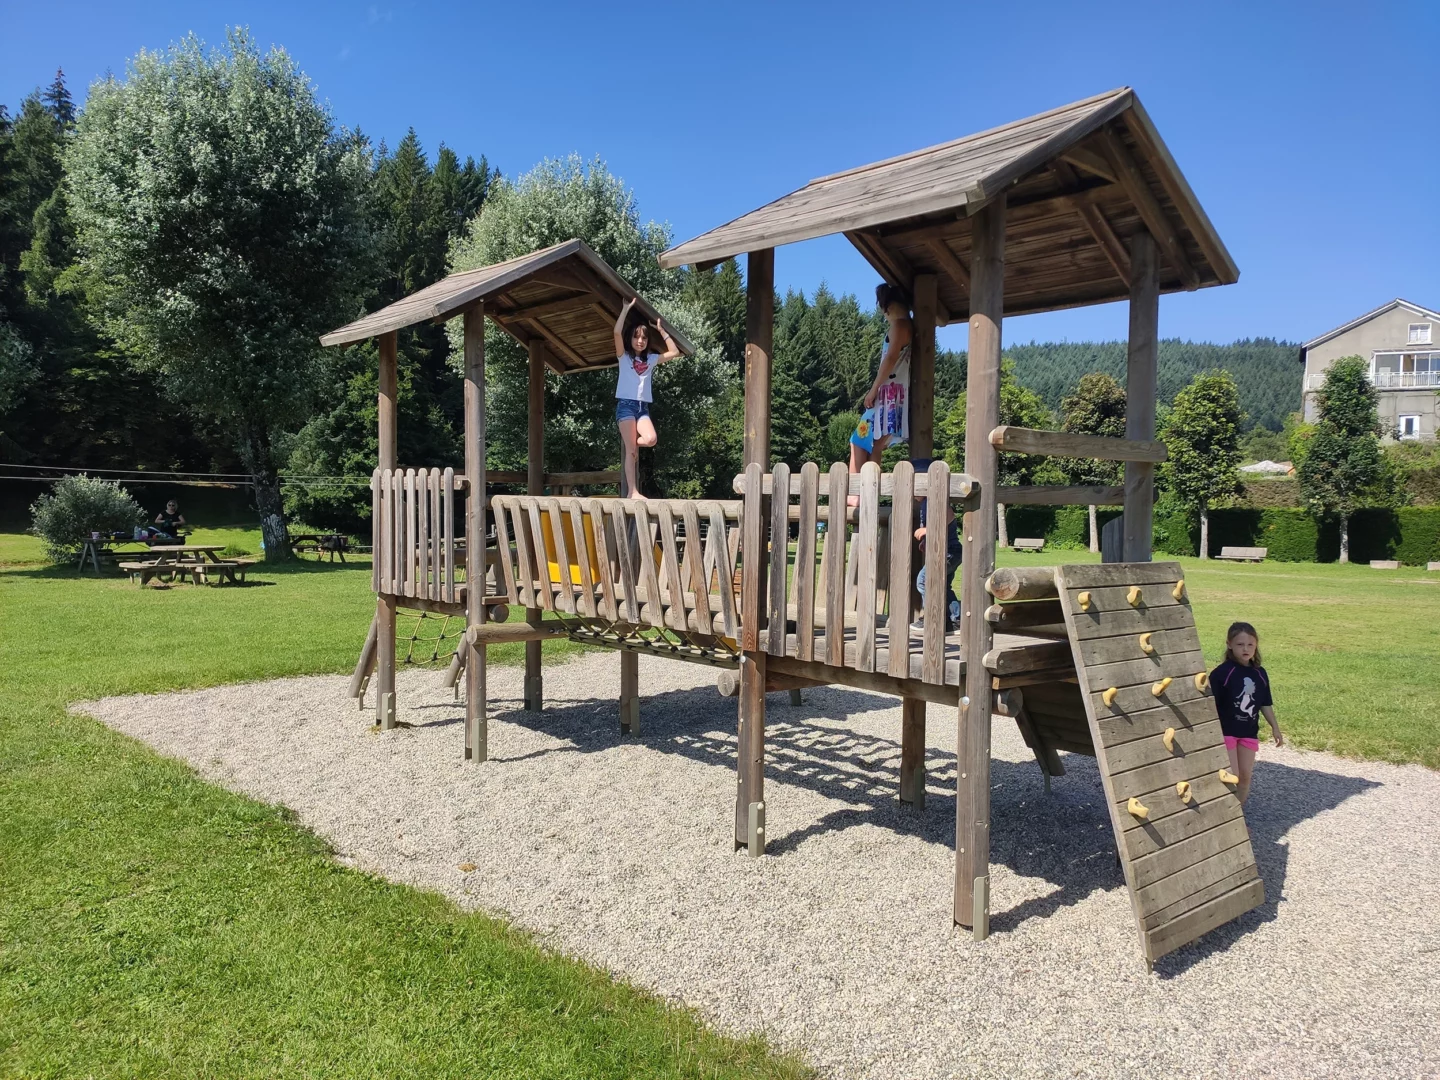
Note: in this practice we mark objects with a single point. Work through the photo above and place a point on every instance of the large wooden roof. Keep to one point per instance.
(565, 296)
(1079, 181)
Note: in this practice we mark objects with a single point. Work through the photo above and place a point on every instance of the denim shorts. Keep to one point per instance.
(630, 409)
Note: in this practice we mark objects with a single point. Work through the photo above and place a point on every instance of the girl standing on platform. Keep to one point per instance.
(886, 415)
(1242, 695)
(633, 395)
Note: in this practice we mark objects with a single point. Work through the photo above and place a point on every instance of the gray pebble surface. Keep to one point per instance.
(838, 943)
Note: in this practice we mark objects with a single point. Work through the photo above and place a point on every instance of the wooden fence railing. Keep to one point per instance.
(416, 514)
(854, 608)
(665, 564)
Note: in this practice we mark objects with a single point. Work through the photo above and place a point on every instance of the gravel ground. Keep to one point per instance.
(838, 942)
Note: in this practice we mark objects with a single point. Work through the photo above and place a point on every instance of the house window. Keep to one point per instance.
(1409, 427)
(1419, 334)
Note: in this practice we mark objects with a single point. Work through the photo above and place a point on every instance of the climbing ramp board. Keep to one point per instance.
(1178, 824)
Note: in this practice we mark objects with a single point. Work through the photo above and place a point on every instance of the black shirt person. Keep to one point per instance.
(169, 522)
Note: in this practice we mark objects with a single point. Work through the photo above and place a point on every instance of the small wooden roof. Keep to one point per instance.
(565, 296)
(1079, 180)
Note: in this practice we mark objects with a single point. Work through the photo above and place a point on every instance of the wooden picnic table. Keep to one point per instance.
(93, 549)
(321, 544)
(204, 560)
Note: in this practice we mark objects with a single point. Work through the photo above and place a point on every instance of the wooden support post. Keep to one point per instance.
(750, 767)
(477, 742)
(982, 416)
(385, 604)
(629, 692)
(759, 337)
(912, 752)
(1140, 386)
(922, 369)
(534, 690)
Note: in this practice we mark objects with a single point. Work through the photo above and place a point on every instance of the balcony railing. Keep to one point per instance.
(1389, 380)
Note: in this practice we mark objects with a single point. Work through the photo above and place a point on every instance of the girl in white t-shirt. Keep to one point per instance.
(632, 391)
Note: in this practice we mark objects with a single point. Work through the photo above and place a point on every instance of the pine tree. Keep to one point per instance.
(58, 100)
(1096, 408)
(1202, 438)
(719, 293)
(1342, 457)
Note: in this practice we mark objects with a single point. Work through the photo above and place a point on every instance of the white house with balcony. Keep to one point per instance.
(1401, 343)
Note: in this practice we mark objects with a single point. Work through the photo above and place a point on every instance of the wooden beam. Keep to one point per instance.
(1098, 225)
(948, 261)
(1140, 388)
(507, 633)
(555, 307)
(982, 415)
(477, 739)
(922, 369)
(759, 341)
(1148, 206)
(556, 342)
(1018, 440)
(892, 266)
(534, 684)
(1061, 495)
(1091, 162)
(385, 604)
(389, 381)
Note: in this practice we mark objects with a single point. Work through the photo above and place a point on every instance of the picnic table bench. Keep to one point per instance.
(331, 544)
(203, 561)
(1243, 554)
(1028, 545)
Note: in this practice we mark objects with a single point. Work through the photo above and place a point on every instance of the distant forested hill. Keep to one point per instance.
(1266, 371)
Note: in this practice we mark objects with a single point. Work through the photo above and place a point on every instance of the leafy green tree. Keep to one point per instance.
(554, 202)
(221, 229)
(1097, 407)
(1201, 434)
(1342, 457)
(1019, 407)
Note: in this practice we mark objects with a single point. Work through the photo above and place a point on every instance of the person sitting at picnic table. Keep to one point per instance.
(170, 521)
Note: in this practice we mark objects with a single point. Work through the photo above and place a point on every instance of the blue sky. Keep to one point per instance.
(1308, 131)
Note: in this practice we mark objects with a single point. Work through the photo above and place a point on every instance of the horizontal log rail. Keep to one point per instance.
(1060, 495)
(1018, 440)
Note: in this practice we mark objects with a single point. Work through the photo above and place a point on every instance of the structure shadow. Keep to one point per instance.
(1064, 837)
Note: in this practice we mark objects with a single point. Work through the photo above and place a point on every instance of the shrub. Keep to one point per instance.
(78, 506)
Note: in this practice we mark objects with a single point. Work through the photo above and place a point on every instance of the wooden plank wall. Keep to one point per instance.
(414, 533)
(1189, 864)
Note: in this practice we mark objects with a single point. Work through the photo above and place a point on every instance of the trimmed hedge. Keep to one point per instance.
(1410, 534)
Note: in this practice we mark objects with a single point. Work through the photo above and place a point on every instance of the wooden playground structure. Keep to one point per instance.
(787, 586)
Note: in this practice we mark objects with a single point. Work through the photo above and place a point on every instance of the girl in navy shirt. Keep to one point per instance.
(1242, 695)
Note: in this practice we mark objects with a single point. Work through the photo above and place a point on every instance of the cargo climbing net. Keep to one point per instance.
(429, 638)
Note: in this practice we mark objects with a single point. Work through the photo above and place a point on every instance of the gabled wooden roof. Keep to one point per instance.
(566, 296)
(1079, 181)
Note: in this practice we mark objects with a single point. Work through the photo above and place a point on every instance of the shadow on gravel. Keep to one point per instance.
(1064, 837)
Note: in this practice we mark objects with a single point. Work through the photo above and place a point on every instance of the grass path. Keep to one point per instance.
(151, 924)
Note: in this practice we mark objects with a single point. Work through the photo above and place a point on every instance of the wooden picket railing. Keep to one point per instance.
(855, 608)
(415, 517)
(662, 564)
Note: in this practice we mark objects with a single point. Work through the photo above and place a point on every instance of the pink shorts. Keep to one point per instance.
(1231, 742)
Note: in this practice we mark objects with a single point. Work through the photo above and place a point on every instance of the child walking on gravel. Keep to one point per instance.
(1242, 695)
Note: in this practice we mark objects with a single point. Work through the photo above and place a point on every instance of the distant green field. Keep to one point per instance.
(151, 924)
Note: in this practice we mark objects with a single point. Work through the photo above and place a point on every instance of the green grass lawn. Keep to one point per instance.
(152, 924)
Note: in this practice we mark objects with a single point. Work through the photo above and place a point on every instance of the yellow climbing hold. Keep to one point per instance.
(1183, 790)
(1201, 681)
(1133, 596)
(1139, 809)
(1179, 591)
(1169, 739)
(1145, 645)
(1109, 696)
(1159, 687)
(1228, 777)
(1084, 601)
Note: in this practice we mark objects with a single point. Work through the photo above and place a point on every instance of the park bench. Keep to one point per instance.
(198, 571)
(1243, 554)
(1028, 545)
(1384, 564)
